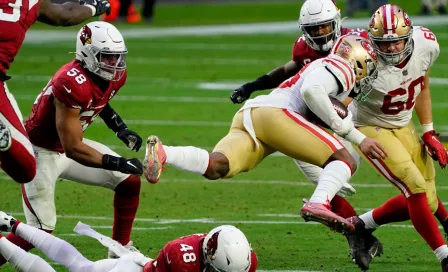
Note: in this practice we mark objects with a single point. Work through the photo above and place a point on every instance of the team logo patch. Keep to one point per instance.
(372, 22)
(407, 20)
(86, 35)
(368, 47)
(212, 245)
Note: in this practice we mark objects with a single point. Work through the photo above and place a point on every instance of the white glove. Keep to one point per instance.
(346, 190)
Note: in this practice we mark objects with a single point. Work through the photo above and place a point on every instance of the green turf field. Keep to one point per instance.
(163, 96)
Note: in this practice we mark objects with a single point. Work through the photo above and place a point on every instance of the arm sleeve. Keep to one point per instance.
(315, 90)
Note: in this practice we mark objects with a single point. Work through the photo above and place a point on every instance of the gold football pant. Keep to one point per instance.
(273, 130)
(408, 167)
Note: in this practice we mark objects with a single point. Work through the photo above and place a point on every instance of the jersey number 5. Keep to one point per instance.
(188, 257)
(394, 108)
(15, 15)
(80, 78)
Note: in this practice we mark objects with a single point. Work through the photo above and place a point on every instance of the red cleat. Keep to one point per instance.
(322, 213)
(155, 158)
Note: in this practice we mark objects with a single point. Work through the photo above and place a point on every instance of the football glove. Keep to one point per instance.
(346, 190)
(123, 165)
(435, 148)
(130, 139)
(240, 95)
(100, 6)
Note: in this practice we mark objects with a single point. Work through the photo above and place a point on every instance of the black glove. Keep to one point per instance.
(130, 139)
(101, 6)
(123, 165)
(240, 95)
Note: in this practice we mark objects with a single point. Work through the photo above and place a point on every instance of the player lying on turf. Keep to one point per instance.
(406, 54)
(277, 122)
(224, 249)
(16, 16)
(78, 93)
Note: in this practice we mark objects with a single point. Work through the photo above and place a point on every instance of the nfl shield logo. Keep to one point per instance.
(405, 72)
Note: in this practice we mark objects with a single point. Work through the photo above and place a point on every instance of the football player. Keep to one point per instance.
(406, 54)
(320, 21)
(78, 93)
(16, 16)
(224, 248)
(254, 132)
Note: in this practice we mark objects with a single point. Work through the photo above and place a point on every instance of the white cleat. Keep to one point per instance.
(130, 246)
(6, 222)
(5, 137)
(155, 158)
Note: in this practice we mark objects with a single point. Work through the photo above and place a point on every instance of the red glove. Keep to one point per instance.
(435, 148)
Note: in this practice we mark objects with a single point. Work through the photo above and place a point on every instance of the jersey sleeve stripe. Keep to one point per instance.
(352, 76)
(332, 142)
(337, 45)
(342, 71)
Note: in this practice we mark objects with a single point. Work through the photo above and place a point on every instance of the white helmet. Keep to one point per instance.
(101, 49)
(315, 13)
(226, 249)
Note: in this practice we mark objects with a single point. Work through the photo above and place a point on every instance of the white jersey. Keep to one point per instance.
(392, 100)
(332, 72)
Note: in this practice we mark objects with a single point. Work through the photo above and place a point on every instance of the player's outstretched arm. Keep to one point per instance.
(423, 108)
(268, 81)
(71, 134)
(70, 13)
(130, 138)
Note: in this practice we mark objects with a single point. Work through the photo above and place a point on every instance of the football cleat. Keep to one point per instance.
(5, 137)
(6, 222)
(363, 245)
(445, 228)
(130, 246)
(155, 158)
(322, 213)
(445, 265)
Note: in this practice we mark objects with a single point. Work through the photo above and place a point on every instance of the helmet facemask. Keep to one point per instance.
(107, 64)
(322, 43)
(394, 58)
(363, 86)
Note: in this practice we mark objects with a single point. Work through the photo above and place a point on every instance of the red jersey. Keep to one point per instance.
(304, 54)
(73, 86)
(185, 255)
(16, 16)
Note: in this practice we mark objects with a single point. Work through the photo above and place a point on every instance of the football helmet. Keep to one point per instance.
(390, 23)
(362, 57)
(318, 13)
(226, 249)
(101, 49)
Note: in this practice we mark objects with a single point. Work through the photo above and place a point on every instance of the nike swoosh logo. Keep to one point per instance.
(68, 90)
(131, 164)
(167, 260)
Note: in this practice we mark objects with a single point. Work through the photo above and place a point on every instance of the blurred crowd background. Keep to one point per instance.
(134, 11)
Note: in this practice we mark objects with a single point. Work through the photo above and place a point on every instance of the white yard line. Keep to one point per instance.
(42, 36)
(207, 221)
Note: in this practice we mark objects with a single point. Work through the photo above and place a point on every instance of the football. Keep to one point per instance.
(338, 107)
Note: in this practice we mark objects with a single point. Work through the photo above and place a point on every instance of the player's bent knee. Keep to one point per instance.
(218, 166)
(27, 174)
(344, 155)
(129, 187)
